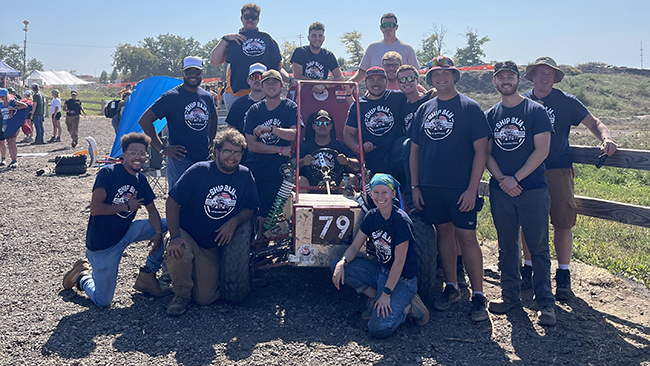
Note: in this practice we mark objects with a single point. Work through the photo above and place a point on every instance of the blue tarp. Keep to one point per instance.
(144, 94)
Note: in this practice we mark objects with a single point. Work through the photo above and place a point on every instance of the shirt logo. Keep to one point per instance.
(314, 70)
(407, 121)
(383, 250)
(254, 47)
(196, 115)
(322, 159)
(379, 120)
(123, 195)
(439, 124)
(509, 133)
(220, 201)
(269, 138)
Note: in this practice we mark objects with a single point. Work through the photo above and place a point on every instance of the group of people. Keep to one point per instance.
(432, 146)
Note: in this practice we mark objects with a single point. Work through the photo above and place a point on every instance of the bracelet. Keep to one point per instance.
(175, 237)
(516, 180)
(345, 261)
(607, 138)
(357, 148)
(281, 149)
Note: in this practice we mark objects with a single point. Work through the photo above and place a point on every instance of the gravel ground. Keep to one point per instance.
(297, 319)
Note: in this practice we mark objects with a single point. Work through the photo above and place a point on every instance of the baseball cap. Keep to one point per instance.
(442, 63)
(34, 86)
(323, 114)
(506, 66)
(548, 61)
(74, 92)
(192, 61)
(3, 92)
(10, 89)
(256, 67)
(271, 74)
(375, 70)
(28, 92)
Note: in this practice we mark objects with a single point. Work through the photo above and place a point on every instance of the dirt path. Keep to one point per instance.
(298, 319)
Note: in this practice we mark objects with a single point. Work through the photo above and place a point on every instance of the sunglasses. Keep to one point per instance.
(192, 71)
(390, 25)
(406, 79)
(227, 153)
(137, 154)
(251, 16)
(441, 61)
(255, 76)
(322, 123)
(508, 64)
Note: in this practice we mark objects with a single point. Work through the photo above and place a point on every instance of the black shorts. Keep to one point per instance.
(56, 116)
(440, 206)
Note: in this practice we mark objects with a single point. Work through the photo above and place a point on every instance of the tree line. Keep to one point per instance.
(13, 54)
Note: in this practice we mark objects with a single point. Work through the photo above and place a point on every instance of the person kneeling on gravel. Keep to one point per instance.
(118, 193)
(209, 211)
(390, 281)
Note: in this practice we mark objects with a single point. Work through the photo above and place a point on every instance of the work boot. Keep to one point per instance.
(147, 282)
(526, 277)
(178, 306)
(479, 312)
(547, 316)
(71, 277)
(563, 282)
(449, 296)
(503, 305)
(419, 312)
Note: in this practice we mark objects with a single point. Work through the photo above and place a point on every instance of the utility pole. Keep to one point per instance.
(25, 29)
(300, 38)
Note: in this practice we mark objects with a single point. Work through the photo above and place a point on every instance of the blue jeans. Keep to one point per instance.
(100, 286)
(38, 125)
(361, 274)
(175, 169)
(529, 210)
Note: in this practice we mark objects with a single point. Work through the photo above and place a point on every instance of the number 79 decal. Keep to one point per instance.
(342, 223)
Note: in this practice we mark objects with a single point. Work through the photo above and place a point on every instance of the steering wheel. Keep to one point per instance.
(325, 157)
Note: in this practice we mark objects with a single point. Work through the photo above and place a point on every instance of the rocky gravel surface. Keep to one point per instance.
(299, 318)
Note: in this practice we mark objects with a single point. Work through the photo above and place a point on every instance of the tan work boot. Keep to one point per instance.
(178, 306)
(147, 282)
(70, 278)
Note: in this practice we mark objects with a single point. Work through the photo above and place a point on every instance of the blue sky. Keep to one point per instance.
(82, 36)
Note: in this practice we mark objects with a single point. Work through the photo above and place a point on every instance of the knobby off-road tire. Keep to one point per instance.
(70, 160)
(427, 250)
(235, 273)
(70, 169)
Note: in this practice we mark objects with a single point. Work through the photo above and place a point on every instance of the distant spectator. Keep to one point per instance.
(55, 112)
(127, 89)
(73, 109)
(8, 107)
(38, 114)
(120, 110)
(28, 127)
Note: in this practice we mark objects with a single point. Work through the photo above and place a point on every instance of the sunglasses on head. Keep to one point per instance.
(441, 61)
(508, 64)
(322, 123)
(406, 79)
(255, 76)
(251, 16)
(390, 25)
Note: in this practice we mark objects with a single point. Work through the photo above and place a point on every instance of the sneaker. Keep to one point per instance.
(3, 162)
(27, 139)
(13, 164)
(51, 140)
(147, 283)
(58, 139)
(178, 306)
(460, 276)
(71, 277)
(73, 144)
(370, 307)
(503, 305)
(419, 313)
(449, 296)
(526, 277)
(479, 311)
(563, 281)
(547, 316)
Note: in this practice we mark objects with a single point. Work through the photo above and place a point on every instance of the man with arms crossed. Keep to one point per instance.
(314, 62)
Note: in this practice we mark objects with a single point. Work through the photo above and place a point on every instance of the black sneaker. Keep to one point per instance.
(51, 140)
(449, 296)
(58, 139)
(503, 305)
(563, 281)
(13, 164)
(546, 316)
(73, 144)
(526, 277)
(479, 311)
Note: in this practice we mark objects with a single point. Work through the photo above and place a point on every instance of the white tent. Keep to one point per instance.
(44, 78)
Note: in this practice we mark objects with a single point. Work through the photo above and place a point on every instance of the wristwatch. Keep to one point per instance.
(162, 149)
(388, 291)
(414, 187)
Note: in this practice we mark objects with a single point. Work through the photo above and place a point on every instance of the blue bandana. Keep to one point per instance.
(385, 179)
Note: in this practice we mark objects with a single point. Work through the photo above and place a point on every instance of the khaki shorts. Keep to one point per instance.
(563, 204)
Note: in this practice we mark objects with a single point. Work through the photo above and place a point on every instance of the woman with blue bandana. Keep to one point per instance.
(388, 274)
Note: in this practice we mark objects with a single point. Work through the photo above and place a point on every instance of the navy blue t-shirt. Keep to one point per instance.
(208, 198)
(565, 111)
(445, 131)
(104, 231)
(314, 66)
(188, 116)
(237, 112)
(385, 235)
(381, 122)
(266, 166)
(513, 132)
(312, 172)
(410, 108)
(258, 47)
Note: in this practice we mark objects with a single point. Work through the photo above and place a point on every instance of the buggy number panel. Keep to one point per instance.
(332, 226)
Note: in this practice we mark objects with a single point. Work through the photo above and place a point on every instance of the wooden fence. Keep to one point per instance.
(100, 109)
(604, 209)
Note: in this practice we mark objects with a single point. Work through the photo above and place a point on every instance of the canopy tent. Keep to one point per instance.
(144, 94)
(6, 70)
(44, 78)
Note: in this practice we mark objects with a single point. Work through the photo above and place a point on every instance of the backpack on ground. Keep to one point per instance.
(111, 108)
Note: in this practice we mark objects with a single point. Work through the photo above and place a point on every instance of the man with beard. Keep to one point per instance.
(521, 136)
(191, 119)
(270, 127)
(449, 148)
(565, 111)
(313, 62)
(119, 191)
(381, 112)
(237, 111)
(210, 206)
(242, 49)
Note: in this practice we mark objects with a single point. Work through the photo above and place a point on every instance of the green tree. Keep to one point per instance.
(472, 53)
(134, 62)
(170, 50)
(103, 77)
(34, 64)
(286, 50)
(352, 43)
(432, 44)
(210, 71)
(342, 63)
(12, 55)
(114, 76)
